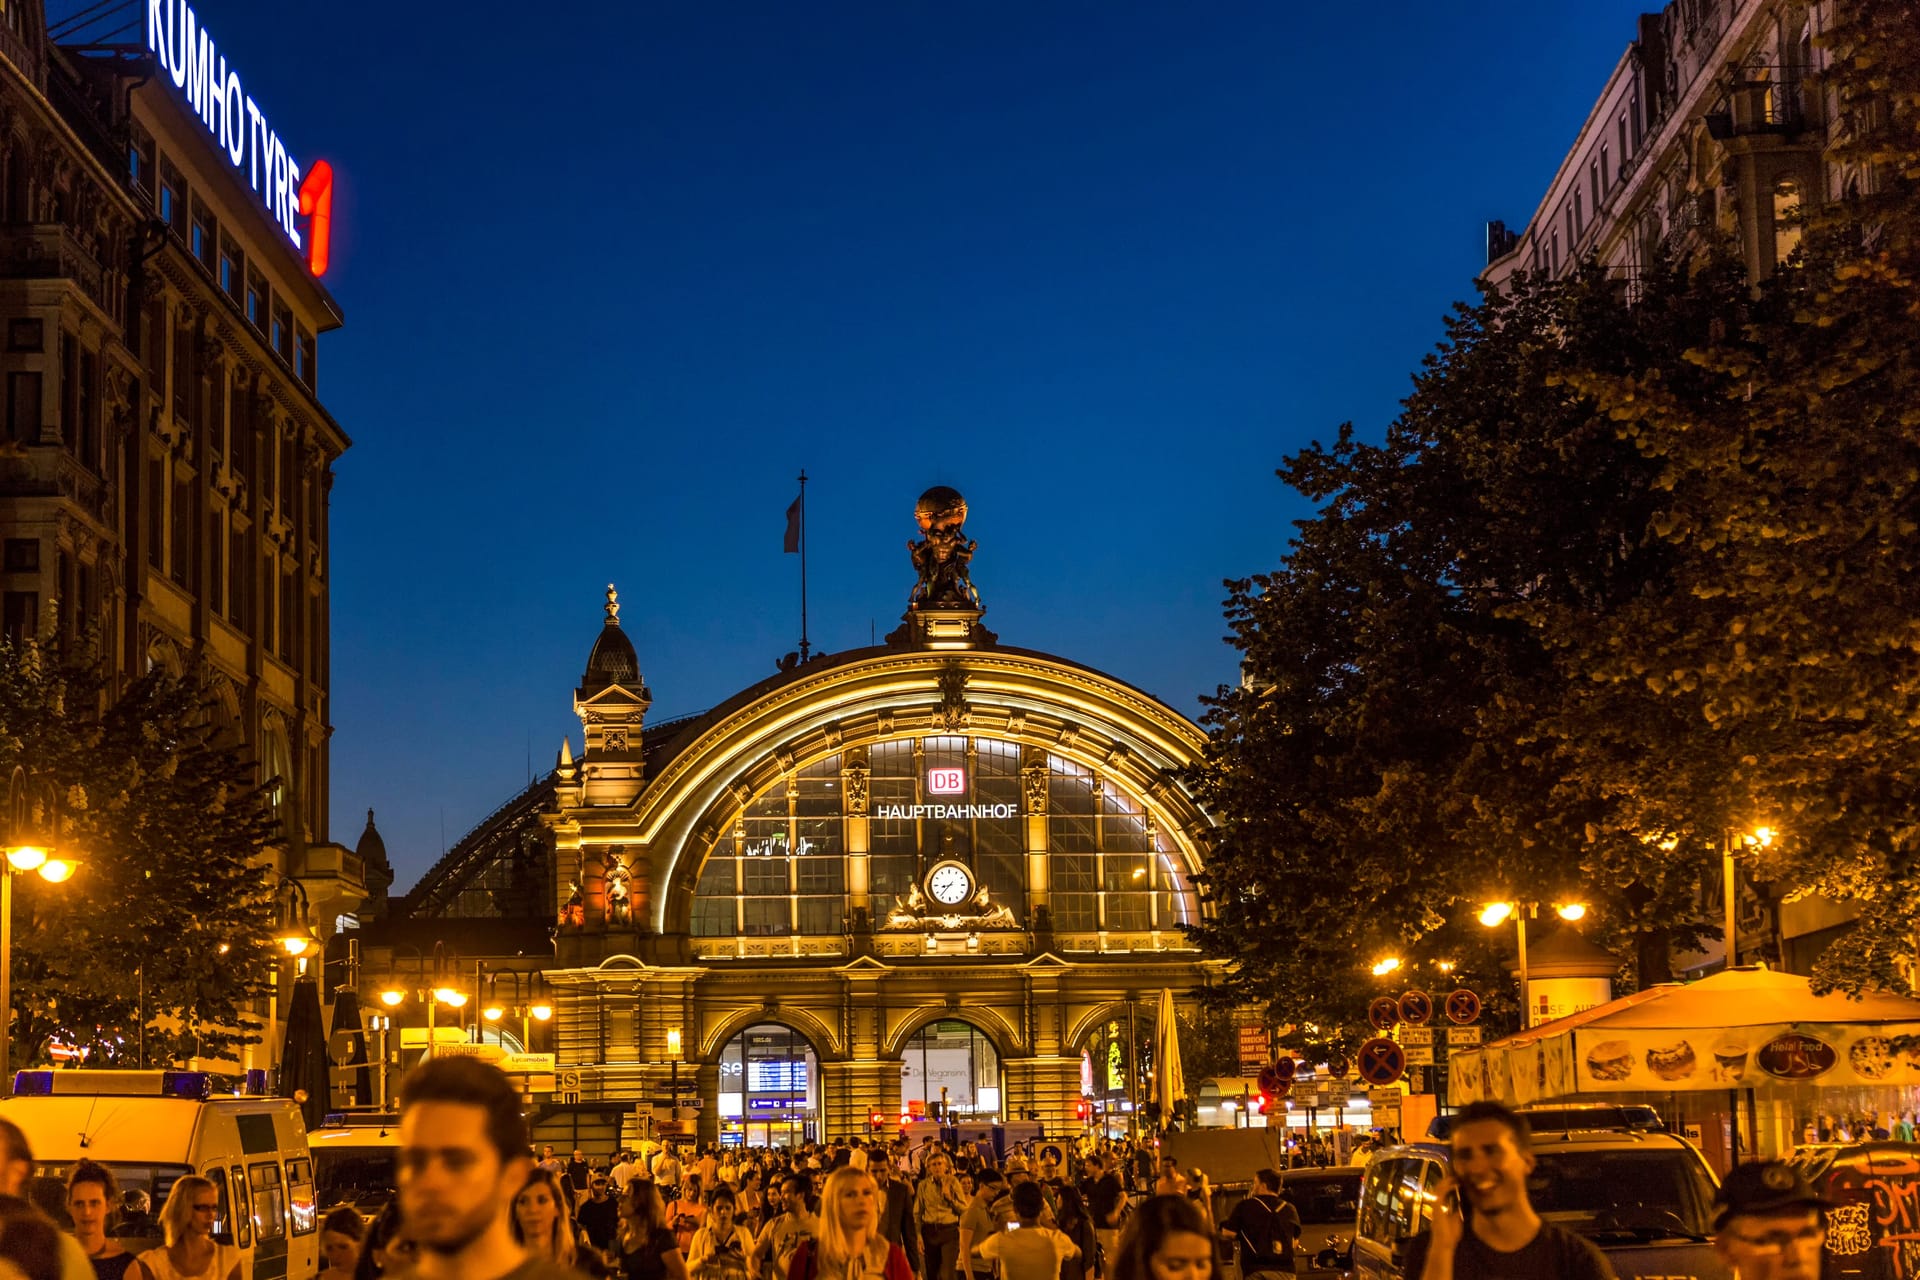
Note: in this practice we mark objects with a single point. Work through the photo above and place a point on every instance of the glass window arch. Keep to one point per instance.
(782, 868)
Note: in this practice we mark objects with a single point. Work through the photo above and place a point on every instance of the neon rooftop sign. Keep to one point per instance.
(186, 52)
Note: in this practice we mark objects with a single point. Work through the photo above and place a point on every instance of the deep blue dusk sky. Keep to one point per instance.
(615, 272)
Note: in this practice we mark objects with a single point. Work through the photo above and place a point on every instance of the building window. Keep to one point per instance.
(173, 197)
(303, 355)
(216, 563)
(23, 407)
(282, 335)
(237, 579)
(157, 513)
(256, 299)
(22, 555)
(1593, 183)
(21, 621)
(1786, 220)
(202, 238)
(233, 268)
(183, 534)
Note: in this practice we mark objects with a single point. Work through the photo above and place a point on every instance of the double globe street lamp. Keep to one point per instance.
(33, 832)
(1495, 914)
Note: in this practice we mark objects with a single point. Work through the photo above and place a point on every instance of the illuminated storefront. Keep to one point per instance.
(936, 863)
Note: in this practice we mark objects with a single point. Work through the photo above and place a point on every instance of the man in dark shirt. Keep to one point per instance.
(1105, 1200)
(1771, 1224)
(1266, 1225)
(1484, 1226)
(578, 1171)
(896, 1208)
(599, 1213)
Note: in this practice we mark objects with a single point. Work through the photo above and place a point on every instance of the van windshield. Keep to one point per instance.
(154, 1180)
(1646, 1193)
(1323, 1200)
(364, 1177)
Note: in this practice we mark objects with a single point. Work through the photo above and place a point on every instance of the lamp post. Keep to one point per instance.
(32, 845)
(673, 1086)
(1759, 838)
(1495, 914)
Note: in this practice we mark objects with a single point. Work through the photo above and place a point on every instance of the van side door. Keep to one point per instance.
(1373, 1241)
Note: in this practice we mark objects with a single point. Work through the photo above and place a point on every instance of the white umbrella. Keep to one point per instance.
(1169, 1082)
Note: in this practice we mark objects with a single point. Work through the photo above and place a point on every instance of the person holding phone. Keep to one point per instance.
(1484, 1226)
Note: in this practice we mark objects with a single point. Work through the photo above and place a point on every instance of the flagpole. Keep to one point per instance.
(803, 565)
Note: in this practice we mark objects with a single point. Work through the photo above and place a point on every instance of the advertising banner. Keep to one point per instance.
(1747, 1057)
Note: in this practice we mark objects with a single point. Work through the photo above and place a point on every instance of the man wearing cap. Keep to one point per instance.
(1769, 1224)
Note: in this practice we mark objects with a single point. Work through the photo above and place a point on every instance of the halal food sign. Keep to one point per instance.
(189, 57)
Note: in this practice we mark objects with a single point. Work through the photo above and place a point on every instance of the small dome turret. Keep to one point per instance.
(613, 660)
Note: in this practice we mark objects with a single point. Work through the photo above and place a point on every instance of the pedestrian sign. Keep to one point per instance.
(1382, 1062)
(1463, 1006)
(1416, 1007)
(1383, 1013)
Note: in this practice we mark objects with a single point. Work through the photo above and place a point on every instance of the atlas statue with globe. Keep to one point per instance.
(943, 552)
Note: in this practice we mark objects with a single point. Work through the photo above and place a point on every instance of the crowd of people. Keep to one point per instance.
(476, 1203)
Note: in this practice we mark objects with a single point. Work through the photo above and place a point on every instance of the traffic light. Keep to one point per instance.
(1266, 1103)
(875, 1121)
(1083, 1111)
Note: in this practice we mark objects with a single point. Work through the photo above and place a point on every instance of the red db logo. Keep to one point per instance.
(946, 782)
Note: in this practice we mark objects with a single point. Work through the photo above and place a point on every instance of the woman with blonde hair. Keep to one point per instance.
(191, 1252)
(540, 1220)
(850, 1246)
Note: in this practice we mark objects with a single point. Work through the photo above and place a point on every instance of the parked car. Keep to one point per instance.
(1646, 1199)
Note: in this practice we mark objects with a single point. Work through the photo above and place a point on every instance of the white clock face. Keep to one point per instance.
(949, 884)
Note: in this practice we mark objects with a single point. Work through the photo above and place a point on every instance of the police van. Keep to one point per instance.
(154, 1127)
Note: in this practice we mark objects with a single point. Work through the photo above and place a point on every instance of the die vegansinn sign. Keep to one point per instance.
(189, 57)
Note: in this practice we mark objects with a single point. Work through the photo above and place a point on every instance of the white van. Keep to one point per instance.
(152, 1127)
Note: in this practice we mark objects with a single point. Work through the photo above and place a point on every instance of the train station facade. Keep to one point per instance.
(937, 875)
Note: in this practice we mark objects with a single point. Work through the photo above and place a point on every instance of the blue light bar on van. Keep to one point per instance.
(256, 1086)
(194, 1085)
(32, 1084)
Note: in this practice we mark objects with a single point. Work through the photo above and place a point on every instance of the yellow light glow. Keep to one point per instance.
(673, 1041)
(1445, 966)
(541, 1012)
(56, 870)
(1387, 966)
(451, 998)
(1762, 836)
(392, 997)
(224, 947)
(492, 1013)
(1571, 911)
(296, 944)
(25, 857)
(1496, 913)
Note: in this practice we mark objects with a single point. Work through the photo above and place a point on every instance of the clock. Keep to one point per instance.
(949, 883)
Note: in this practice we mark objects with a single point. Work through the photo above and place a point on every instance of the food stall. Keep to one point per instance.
(1747, 1061)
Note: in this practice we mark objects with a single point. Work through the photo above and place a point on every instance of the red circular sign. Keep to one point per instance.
(1463, 1006)
(1416, 1007)
(1269, 1080)
(1383, 1013)
(1286, 1069)
(1338, 1067)
(1382, 1061)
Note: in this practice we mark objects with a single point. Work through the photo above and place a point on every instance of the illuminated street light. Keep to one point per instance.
(492, 1013)
(33, 830)
(451, 997)
(541, 1012)
(1386, 966)
(1496, 913)
(1759, 838)
(393, 997)
(1571, 911)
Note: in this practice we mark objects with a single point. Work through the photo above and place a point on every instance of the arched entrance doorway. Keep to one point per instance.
(1116, 1062)
(950, 1068)
(769, 1088)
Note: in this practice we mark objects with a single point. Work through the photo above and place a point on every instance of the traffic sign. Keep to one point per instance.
(1458, 1037)
(1382, 1061)
(1420, 1055)
(1422, 1036)
(1286, 1069)
(1384, 1097)
(1383, 1013)
(685, 1104)
(1305, 1091)
(1338, 1067)
(1463, 1006)
(1416, 1007)
(1269, 1080)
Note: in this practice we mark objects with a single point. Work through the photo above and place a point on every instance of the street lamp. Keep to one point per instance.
(1495, 914)
(1758, 838)
(295, 935)
(1384, 967)
(673, 1086)
(33, 828)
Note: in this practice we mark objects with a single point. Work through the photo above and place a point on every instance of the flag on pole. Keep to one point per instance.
(792, 544)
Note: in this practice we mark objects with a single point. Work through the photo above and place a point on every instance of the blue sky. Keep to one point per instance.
(612, 279)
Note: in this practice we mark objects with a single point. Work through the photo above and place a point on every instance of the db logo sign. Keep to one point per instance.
(946, 782)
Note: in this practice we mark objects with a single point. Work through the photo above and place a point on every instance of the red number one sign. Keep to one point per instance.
(316, 204)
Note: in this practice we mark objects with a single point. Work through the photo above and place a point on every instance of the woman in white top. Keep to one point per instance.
(721, 1247)
(193, 1205)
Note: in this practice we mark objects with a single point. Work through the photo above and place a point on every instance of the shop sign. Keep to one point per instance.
(190, 59)
(946, 782)
(1832, 1054)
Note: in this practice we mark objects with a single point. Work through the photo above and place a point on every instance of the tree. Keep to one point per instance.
(168, 922)
(1789, 466)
